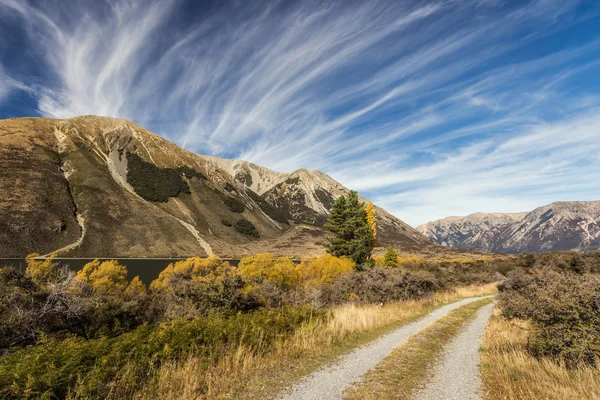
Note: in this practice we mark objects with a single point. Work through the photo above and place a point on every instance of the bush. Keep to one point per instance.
(565, 311)
(247, 228)
(18, 307)
(324, 270)
(106, 277)
(391, 258)
(95, 368)
(42, 271)
(190, 173)
(265, 267)
(275, 281)
(379, 285)
(234, 205)
(199, 286)
(153, 183)
(226, 222)
(89, 306)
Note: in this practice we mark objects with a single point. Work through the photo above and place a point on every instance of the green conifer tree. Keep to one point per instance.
(391, 258)
(350, 232)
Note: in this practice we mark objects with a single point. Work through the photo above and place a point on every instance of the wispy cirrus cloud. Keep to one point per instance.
(431, 108)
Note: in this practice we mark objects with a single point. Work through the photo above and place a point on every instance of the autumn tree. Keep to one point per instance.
(350, 233)
(391, 258)
(279, 271)
(135, 288)
(42, 270)
(324, 270)
(104, 277)
(371, 220)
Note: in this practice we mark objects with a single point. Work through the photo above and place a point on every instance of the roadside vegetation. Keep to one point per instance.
(544, 341)
(94, 334)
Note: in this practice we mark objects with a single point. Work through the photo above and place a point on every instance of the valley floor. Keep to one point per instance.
(326, 361)
(447, 349)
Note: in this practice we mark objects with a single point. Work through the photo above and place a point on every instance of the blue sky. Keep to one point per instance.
(430, 109)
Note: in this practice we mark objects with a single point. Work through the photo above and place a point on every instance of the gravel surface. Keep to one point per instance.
(456, 377)
(330, 382)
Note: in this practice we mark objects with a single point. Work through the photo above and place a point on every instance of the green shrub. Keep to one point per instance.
(390, 258)
(190, 172)
(153, 183)
(234, 205)
(119, 364)
(247, 228)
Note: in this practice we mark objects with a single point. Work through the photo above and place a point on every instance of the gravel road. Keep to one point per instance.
(456, 377)
(330, 382)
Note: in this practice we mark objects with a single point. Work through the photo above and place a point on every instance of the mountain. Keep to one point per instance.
(104, 187)
(558, 226)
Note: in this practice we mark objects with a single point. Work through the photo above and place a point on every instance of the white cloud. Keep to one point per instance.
(404, 101)
(541, 165)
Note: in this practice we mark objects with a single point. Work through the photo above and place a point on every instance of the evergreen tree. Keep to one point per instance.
(391, 258)
(350, 233)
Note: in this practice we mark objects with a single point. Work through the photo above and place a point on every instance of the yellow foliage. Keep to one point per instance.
(371, 219)
(135, 288)
(194, 268)
(325, 269)
(104, 277)
(256, 267)
(42, 271)
(378, 260)
(410, 260)
(280, 271)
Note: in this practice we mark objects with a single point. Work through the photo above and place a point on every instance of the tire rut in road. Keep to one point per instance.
(330, 382)
(456, 376)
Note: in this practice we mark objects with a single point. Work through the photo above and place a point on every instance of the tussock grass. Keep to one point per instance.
(408, 367)
(509, 372)
(245, 373)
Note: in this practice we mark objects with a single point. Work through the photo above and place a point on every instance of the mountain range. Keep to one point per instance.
(573, 225)
(104, 187)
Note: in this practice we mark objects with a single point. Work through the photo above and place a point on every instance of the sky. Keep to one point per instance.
(429, 109)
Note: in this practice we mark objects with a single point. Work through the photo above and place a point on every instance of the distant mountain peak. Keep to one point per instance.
(564, 225)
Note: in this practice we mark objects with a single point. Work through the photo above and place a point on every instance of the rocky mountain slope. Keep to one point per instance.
(555, 227)
(96, 186)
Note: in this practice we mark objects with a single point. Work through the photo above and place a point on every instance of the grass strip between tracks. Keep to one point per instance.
(409, 366)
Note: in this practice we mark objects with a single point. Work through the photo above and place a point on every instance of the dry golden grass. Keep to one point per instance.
(245, 374)
(510, 373)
